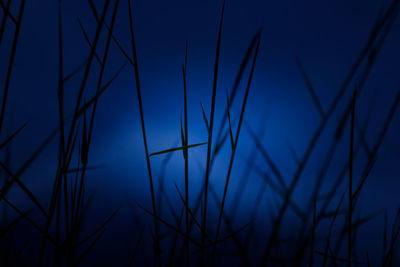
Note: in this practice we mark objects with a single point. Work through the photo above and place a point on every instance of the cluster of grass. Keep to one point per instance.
(196, 236)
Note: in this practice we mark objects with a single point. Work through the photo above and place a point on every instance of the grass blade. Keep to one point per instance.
(11, 137)
(11, 63)
(210, 135)
(176, 149)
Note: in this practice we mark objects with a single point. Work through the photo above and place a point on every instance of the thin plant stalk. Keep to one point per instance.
(186, 155)
(210, 135)
(11, 63)
(351, 159)
(69, 147)
(235, 143)
(157, 247)
(318, 132)
(4, 20)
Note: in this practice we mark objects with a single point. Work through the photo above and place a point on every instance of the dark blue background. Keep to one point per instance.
(326, 35)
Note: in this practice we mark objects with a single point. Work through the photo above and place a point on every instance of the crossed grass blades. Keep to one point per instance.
(63, 243)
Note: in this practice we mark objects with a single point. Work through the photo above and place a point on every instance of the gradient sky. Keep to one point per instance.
(326, 36)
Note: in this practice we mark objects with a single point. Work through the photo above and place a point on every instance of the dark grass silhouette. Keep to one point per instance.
(189, 232)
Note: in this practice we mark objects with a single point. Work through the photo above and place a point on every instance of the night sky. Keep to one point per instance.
(327, 37)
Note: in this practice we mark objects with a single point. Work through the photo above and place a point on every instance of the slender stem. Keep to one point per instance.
(350, 210)
(60, 95)
(157, 247)
(318, 132)
(235, 144)
(69, 145)
(186, 155)
(4, 20)
(210, 134)
(11, 63)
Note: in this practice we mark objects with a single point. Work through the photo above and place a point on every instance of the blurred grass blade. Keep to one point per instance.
(100, 92)
(88, 41)
(183, 141)
(350, 189)
(267, 158)
(11, 63)
(10, 226)
(11, 137)
(96, 16)
(88, 249)
(235, 142)
(7, 13)
(136, 248)
(330, 231)
(310, 87)
(31, 222)
(157, 247)
(229, 120)
(205, 118)
(186, 207)
(24, 188)
(74, 71)
(176, 230)
(210, 135)
(360, 186)
(100, 228)
(176, 149)
(75, 170)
